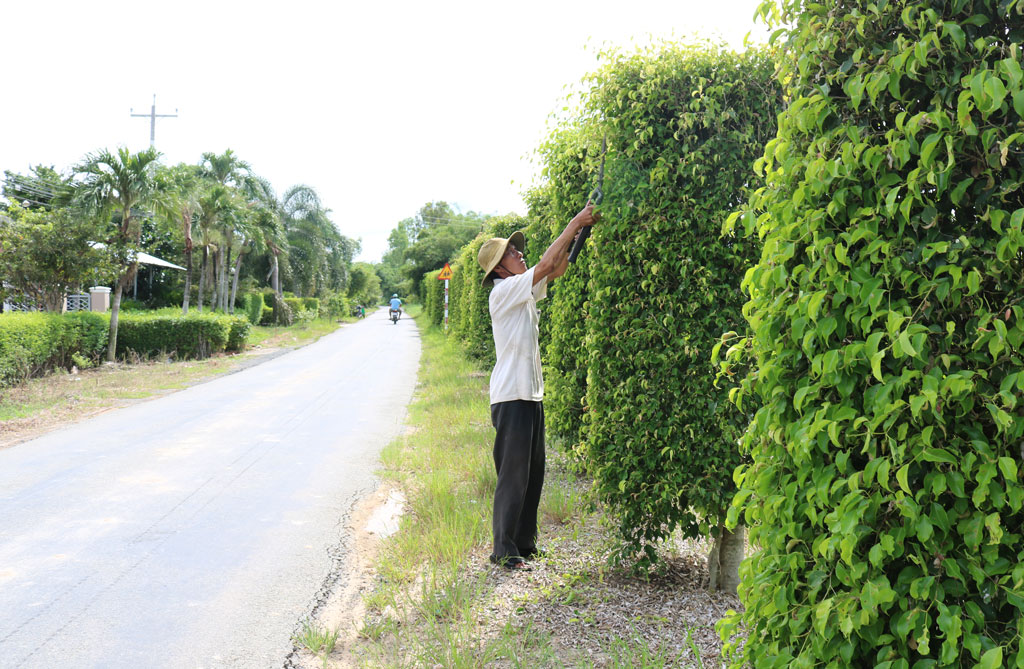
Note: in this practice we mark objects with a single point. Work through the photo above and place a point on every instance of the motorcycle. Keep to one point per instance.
(394, 314)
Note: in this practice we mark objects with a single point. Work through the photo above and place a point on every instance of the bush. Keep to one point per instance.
(238, 335)
(34, 343)
(885, 493)
(267, 316)
(311, 304)
(335, 306)
(283, 313)
(253, 306)
(296, 304)
(193, 336)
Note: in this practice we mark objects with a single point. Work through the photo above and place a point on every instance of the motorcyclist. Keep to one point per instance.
(396, 305)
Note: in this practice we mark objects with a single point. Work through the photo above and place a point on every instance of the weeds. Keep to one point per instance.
(317, 639)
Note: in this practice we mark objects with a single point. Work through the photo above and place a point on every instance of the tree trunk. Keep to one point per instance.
(202, 278)
(226, 277)
(275, 280)
(724, 560)
(115, 310)
(188, 280)
(215, 281)
(234, 281)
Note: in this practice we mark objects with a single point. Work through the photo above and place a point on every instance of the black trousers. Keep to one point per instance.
(519, 461)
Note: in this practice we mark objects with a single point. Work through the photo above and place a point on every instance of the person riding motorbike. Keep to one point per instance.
(396, 305)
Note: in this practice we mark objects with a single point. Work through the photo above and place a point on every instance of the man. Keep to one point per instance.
(517, 387)
(396, 305)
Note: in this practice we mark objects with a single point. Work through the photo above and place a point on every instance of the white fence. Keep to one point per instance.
(78, 302)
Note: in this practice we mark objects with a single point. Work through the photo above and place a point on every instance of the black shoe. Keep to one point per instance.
(511, 562)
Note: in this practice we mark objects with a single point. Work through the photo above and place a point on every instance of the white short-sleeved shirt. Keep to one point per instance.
(515, 324)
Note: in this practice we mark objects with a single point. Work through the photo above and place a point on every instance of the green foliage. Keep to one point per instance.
(253, 306)
(34, 343)
(885, 491)
(633, 323)
(311, 304)
(193, 336)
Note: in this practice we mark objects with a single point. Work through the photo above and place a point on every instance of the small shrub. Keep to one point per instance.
(238, 335)
(267, 315)
(311, 304)
(283, 313)
(254, 307)
(334, 306)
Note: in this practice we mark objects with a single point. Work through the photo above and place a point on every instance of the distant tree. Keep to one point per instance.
(427, 241)
(42, 187)
(364, 287)
(46, 254)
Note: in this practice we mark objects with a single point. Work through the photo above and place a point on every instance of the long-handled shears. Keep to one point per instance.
(595, 199)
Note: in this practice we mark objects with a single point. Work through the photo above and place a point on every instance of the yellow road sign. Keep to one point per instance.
(446, 273)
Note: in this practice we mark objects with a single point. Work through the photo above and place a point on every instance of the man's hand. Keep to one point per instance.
(587, 216)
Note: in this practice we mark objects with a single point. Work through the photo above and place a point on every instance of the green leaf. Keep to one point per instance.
(876, 365)
(992, 659)
(1008, 466)
(905, 345)
(901, 478)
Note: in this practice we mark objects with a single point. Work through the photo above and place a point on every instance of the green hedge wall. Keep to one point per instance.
(433, 302)
(885, 492)
(468, 312)
(629, 379)
(32, 344)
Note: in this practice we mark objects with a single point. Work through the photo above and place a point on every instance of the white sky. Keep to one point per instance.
(380, 106)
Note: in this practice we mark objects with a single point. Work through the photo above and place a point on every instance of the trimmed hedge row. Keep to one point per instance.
(193, 336)
(32, 344)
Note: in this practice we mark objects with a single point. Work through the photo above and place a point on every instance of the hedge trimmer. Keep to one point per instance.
(595, 198)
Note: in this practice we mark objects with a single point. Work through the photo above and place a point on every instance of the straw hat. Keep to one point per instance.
(494, 249)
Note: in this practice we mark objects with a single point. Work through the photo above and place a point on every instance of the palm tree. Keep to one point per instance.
(121, 184)
(229, 171)
(183, 187)
(313, 239)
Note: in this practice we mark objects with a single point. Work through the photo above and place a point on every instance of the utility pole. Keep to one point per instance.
(152, 120)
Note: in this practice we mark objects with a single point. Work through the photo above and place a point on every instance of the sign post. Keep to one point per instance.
(445, 274)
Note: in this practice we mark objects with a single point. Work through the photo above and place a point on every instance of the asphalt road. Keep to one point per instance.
(195, 530)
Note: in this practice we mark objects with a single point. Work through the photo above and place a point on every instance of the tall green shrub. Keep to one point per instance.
(637, 318)
(253, 305)
(885, 491)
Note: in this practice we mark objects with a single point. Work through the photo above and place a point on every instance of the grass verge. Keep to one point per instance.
(38, 405)
(437, 601)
